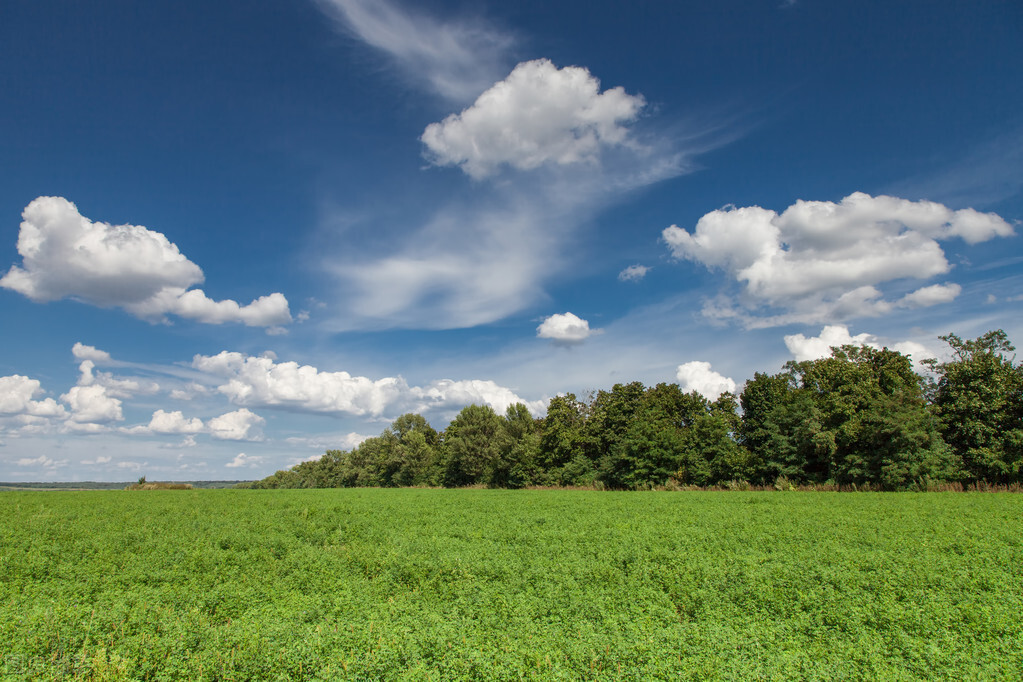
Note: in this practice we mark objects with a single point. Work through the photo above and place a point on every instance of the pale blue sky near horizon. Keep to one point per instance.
(236, 234)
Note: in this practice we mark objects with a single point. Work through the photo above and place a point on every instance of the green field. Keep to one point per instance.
(479, 584)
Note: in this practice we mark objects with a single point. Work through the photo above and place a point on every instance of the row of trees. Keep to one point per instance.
(862, 416)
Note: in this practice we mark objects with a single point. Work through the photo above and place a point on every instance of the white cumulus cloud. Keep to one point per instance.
(92, 405)
(66, 255)
(539, 114)
(17, 397)
(163, 422)
(263, 382)
(821, 260)
(243, 460)
(115, 387)
(816, 347)
(565, 328)
(698, 376)
(238, 425)
(84, 352)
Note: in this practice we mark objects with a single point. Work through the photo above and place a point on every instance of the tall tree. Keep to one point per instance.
(473, 447)
(871, 423)
(978, 398)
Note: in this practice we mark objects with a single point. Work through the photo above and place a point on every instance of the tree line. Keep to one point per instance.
(861, 417)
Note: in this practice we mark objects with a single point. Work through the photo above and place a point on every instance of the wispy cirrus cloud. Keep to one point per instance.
(456, 58)
(541, 179)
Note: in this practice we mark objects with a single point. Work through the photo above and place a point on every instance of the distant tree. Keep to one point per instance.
(521, 447)
(412, 458)
(473, 447)
(978, 398)
(763, 399)
(870, 423)
(609, 416)
(565, 437)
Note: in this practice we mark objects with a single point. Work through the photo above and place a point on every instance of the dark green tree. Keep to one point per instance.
(565, 438)
(871, 424)
(521, 447)
(473, 447)
(978, 398)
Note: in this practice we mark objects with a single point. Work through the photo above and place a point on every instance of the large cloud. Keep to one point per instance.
(539, 114)
(565, 328)
(821, 260)
(263, 382)
(66, 255)
(698, 376)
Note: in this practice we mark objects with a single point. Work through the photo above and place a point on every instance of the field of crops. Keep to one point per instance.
(478, 584)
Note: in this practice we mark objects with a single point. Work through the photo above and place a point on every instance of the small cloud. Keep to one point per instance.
(83, 352)
(566, 329)
(633, 273)
(168, 423)
(43, 462)
(928, 296)
(698, 376)
(991, 298)
(241, 424)
(243, 460)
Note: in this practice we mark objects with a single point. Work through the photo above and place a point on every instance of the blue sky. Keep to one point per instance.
(236, 234)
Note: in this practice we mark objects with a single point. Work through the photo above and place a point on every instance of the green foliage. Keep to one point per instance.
(978, 398)
(473, 448)
(861, 417)
(378, 584)
(858, 417)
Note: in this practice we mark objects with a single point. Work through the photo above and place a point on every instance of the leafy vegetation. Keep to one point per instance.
(862, 417)
(474, 584)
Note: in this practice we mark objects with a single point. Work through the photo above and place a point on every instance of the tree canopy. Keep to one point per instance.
(861, 416)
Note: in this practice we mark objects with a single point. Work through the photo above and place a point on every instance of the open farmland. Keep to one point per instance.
(448, 584)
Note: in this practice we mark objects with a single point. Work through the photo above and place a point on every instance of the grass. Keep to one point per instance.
(478, 584)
